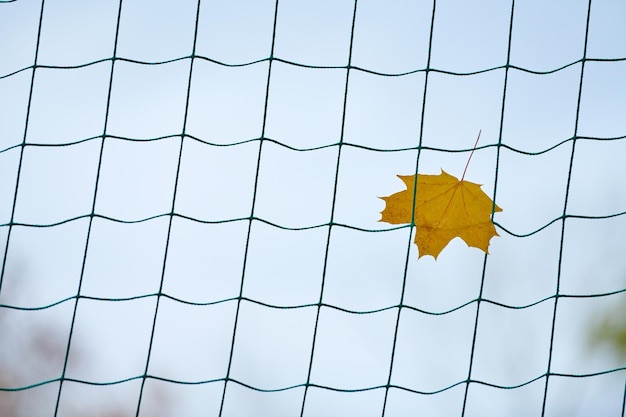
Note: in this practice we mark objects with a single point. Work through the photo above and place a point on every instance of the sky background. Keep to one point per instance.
(287, 255)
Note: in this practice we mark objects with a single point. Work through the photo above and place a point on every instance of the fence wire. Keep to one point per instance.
(331, 226)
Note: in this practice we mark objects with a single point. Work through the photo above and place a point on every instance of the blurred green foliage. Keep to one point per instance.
(611, 329)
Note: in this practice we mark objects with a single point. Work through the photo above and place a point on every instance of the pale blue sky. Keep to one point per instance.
(364, 271)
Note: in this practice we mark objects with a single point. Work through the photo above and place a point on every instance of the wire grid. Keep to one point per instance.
(331, 225)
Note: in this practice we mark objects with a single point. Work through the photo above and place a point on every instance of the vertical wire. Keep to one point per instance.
(564, 215)
(493, 207)
(410, 241)
(144, 377)
(23, 144)
(332, 213)
(92, 214)
(624, 402)
(251, 219)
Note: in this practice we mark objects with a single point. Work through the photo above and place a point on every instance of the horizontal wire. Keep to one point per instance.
(324, 387)
(319, 67)
(291, 228)
(316, 148)
(310, 305)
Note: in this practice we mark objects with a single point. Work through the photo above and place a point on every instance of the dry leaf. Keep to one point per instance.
(445, 208)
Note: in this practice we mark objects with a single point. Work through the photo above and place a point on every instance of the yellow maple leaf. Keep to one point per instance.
(445, 208)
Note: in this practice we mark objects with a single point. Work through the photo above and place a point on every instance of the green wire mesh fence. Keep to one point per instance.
(309, 395)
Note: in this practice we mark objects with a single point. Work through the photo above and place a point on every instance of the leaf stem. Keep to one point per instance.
(470, 157)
